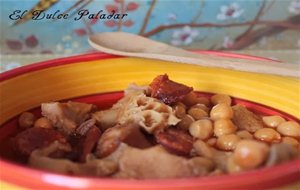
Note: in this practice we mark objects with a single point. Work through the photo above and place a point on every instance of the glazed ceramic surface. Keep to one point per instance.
(100, 77)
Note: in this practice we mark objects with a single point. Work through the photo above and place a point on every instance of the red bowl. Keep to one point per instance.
(13, 173)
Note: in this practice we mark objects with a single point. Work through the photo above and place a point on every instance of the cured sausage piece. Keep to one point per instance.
(87, 143)
(167, 90)
(34, 138)
(176, 141)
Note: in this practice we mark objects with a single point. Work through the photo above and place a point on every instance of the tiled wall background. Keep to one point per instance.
(268, 28)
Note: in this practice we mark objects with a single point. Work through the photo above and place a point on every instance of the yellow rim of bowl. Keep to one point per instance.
(29, 90)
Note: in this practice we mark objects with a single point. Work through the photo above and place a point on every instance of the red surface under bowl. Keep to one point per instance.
(12, 173)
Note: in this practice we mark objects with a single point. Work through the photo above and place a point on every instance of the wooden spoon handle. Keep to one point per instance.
(125, 44)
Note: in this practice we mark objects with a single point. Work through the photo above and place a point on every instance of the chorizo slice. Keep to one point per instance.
(167, 90)
(176, 141)
(88, 142)
(34, 138)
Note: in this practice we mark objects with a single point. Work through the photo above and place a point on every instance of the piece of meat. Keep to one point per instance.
(128, 133)
(150, 113)
(167, 90)
(176, 141)
(245, 119)
(280, 153)
(59, 154)
(88, 142)
(85, 127)
(157, 163)
(67, 116)
(110, 140)
(92, 167)
(106, 118)
(34, 138)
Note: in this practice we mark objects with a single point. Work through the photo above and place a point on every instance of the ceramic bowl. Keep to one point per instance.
(100, 78)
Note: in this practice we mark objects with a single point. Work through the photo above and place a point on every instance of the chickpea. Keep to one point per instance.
(223, 127)
(201, 106)
(203, 100)
(26, 120)
(227, 142)
(192, 99)
(221, 111)
(180, 110)
(212, 141)
(244, 134)
(181, 104)
(202, 149)
(250, 154)
(201, 129)
(290, 141)
(43, 123)
(289, 128)
(185, 122)
(220, 98)
(231, 166)
(206, 164)
(197, 113)
(273, 121)
(268, 135)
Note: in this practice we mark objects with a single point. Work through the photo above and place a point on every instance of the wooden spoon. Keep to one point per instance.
(126, 44)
